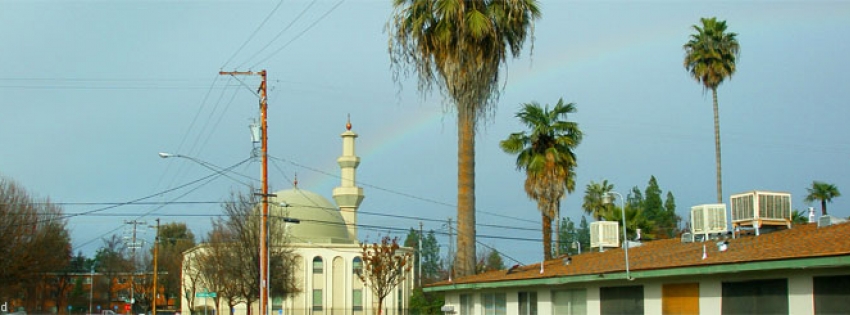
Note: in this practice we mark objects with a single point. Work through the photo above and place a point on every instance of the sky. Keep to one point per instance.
(91, 91)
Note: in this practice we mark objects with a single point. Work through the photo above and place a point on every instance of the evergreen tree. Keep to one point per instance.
(430, 253)
(670, 210)
(652, 203)
(568, 236)
(431, 261)
(584, 234)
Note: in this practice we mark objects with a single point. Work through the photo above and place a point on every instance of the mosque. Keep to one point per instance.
(327, 252)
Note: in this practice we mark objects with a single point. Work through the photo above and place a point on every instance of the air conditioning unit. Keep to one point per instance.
(604, 234)
(760, 208)
(708, 219)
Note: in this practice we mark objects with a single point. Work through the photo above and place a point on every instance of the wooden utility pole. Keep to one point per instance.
(155, 261)
(264, 228)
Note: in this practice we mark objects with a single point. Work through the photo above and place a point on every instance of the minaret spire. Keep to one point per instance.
(348, 196)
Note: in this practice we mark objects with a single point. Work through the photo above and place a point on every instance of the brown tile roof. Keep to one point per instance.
(802, 241)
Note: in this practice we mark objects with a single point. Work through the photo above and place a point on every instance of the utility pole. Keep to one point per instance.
(451, 251)
(133, 245)
(264, 228)
(155, 261)
(420, 253)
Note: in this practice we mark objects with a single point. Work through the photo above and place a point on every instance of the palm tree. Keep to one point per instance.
(710, 57)
(822, 192)
(459, 46)
(546, 154)
(593, 194)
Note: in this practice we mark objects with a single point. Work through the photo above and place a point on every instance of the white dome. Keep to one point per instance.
(320, 220)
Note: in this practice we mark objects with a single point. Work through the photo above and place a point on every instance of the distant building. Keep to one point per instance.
(327, 252)
(802, 270)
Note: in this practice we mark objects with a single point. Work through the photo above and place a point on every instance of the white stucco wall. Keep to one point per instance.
(800, 294)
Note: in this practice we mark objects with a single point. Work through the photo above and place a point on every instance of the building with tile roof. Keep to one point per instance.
(802, 270)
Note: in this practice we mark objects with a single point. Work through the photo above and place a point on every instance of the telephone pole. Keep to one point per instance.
(133, 245)
(155, 260)
(264, 228)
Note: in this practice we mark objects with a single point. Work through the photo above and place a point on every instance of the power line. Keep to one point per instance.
(285, 28)
(257, 30)
(300, 34)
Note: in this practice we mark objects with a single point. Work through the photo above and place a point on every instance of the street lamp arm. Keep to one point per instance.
(215, 168)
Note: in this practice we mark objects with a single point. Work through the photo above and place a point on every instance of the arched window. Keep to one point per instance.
(357, 266)
(318, 266)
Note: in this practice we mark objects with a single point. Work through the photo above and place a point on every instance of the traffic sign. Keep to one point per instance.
(205, 294)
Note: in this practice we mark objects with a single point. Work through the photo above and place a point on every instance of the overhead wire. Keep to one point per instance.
(403, 194)
(257, 30)
(285, 28)
(299, 34)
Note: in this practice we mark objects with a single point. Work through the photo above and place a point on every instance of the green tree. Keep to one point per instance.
(459, 46)
(593, 197)
(823, 192)
(569, 236)
(710, 56)
(546, 154)
(431, 261)
(663, 214)
(635, 219)
(670, 209)
(422, 303)
(799, 217)
(584, 233)
(175, 238)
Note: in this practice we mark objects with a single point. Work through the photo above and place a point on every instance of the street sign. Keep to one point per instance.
(205, 294)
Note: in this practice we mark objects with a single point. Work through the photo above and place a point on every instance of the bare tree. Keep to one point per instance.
(384, 268)
(231, 255)
(34, 241)
(112, 263)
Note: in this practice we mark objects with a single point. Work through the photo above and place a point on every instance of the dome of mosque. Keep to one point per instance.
(320, 220)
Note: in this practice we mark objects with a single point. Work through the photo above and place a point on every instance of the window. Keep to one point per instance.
(357, 266)
(569, 302)
(357, 299)
(831, 294)
(755, 297)
(528, 303)
(621, 300)
(494, 303)
(318, 266)
(317, 299)
(466, 304)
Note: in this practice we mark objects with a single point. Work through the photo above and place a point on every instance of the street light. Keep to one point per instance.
(607, 199)
(91, 285)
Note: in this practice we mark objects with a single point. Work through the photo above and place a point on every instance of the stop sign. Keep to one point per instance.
(127, 307)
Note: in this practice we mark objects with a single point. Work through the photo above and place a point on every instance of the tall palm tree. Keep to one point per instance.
(546, 154)
(822, 192)
(593, 196)
(710, 57)
(459, 46)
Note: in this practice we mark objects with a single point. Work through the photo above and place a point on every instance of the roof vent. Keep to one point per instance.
(828, 220)
(604, 234)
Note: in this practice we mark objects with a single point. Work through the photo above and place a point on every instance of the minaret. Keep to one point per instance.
(348, 196)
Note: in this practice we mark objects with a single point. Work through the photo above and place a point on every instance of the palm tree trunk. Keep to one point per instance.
(547, 236)
(823, 207)
(717, 146)
(465, 264)
(557, 215)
